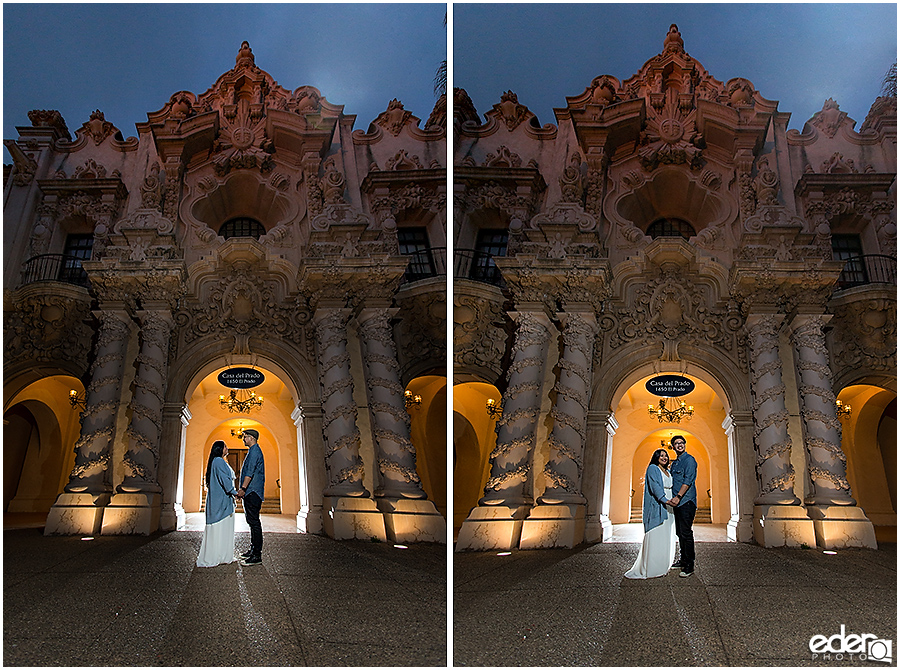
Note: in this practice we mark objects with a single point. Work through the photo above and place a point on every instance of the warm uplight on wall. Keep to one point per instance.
(494, 409)
(843, 411)
(77, 399)
(673, 415)
(411, 401)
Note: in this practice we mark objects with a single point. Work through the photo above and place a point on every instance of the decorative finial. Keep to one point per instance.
(673, 40)
(245, 55)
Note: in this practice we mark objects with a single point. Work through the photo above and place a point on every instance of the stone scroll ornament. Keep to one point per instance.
(510, 460)
(822, 429)
(564, 468)
(342, 439)
(98, 421)
(142, 457)
(770, 416)
(395, 452)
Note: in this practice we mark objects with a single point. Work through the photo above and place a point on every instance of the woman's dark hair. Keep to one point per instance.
(654, 460)
(217, 450)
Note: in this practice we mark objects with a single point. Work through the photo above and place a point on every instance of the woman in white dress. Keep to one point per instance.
(218, 536)
(658, 549)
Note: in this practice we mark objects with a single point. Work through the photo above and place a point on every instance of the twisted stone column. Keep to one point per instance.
(98, 421)
(821, 427)
(511, 458)
(770, 415)
(141, 460)
(394, 451)
(569, 413)
(342, 459)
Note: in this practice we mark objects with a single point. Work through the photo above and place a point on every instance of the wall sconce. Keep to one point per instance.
(494, 409)
(843, 411)
(77, 399)
(410, 400)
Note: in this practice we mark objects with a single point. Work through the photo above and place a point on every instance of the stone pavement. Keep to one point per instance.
(141, 601)
(744, 606)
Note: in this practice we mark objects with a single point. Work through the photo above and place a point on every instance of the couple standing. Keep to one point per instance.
(218, 536)
(666, 516)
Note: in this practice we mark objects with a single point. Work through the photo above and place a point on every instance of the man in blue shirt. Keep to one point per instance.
(684, 478)
(253, 482)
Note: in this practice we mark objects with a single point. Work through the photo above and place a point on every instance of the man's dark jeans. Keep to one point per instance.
(252, 505)
(684, 521)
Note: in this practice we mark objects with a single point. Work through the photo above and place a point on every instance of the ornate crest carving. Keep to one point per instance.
(98, 128)
(47, 328)
(865, 335)
(509, 111)
(479, 338)
(830, 119)
(394, 118)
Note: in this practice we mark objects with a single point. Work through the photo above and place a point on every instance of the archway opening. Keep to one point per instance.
(211, 421)
(869, 440)
(428, 433)
(40, 428)
(639, 434)
(474, 438)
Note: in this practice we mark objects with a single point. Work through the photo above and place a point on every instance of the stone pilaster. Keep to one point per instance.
(135, 509)
(837, 521)
(770, 415)
(79, 509)
(497, 521)
(342, 459)
(308, 421)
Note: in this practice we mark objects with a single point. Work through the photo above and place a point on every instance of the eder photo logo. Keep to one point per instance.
(841, 646)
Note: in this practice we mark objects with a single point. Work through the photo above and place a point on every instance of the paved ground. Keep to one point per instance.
(141, 601)
(744, 606)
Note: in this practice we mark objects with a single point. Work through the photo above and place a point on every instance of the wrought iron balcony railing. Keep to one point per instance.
(477, 266)
(870, 269)
(55, 267)
(426, 263)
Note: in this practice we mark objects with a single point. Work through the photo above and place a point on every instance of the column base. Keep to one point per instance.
(171, 516)
(598, 529)
(738, 530)
(782, 526)
(494, 527)
(310, 521)
(840, 526)
(551, 526)
(132, 514)
(407, 520)
(76, 514)
(353, 519)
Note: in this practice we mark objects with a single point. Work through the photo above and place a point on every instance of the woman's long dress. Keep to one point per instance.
(658, 549)
(218, 535)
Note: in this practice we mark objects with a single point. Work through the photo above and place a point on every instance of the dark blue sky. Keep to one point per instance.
(128, 59)
(797, 54)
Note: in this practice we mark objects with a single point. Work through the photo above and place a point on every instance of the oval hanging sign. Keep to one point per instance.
(669, 386)
(241, 378)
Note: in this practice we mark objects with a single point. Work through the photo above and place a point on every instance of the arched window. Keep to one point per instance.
(242, 226)
(671, 228)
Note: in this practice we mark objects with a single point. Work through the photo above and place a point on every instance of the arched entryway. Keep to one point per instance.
(474, 438)
(869, 440)
(427, 407)
(639, 434)
(40, 428)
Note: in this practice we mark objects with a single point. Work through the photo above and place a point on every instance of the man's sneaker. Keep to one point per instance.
(677, 566)
(247, 554)
(686, 572)
(253, 560)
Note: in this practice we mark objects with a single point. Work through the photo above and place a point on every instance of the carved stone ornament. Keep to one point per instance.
(401, 161)
(25, 165)
(98, 128)
(395, 118)
(509, 111)
(503, 158)
(670, 138)
(46, 328)
(479, 339)
(865, 335)
(422, 329)
(830, 119)
(41, 118)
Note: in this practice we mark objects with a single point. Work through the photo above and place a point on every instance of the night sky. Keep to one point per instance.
(128, 59)
(797, 54)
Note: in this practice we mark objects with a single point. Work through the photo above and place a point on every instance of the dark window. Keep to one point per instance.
(491, 242)
(78, 248)
(671, 228)
(242, 227)
(413, 242)
(849, 248)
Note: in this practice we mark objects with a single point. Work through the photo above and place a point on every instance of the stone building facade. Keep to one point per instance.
(671, 224)
(247, 226)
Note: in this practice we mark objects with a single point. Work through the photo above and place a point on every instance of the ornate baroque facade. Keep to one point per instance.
(251, 226)
(671, 223)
